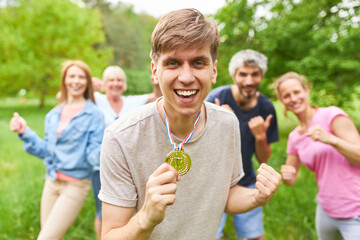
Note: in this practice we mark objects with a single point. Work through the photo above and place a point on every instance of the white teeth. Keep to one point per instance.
(185, 93)
(296, 105)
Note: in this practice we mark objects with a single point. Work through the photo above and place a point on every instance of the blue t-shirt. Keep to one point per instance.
(263, 108)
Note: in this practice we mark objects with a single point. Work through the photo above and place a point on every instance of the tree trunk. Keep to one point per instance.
(43, 91)
(42, 101)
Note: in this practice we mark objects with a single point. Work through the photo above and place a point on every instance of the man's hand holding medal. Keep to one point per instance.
(160, 192)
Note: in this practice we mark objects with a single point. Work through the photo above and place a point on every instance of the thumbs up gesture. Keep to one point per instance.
(259, 126)
(17, 124)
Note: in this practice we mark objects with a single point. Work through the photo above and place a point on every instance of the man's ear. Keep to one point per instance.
(153, 72)
(213, 81)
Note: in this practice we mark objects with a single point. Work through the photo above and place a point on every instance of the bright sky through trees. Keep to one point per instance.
(157, 8)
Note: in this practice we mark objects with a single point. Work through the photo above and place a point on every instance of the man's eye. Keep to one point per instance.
(199, 63)
(172, 63)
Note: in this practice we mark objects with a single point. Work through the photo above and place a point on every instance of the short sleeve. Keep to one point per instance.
(333, 112)
(117, 185)
(238, 171)
(290, 145)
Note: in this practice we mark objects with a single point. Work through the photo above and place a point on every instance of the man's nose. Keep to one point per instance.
(248, 79)
(186, 74)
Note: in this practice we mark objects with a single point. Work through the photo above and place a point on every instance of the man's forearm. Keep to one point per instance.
(135, 229)
(262, 150)
(240, 200)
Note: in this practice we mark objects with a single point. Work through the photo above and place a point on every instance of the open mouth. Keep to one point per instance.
(295, 105)
(75, 89)
(186, 93)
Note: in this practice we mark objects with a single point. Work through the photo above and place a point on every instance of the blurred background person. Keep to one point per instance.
(113, 105)
(70, 149)
(258, 129)
(327, 142)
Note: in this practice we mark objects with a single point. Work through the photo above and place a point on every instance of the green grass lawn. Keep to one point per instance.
(289, 215)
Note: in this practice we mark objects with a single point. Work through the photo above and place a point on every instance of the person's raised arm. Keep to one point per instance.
(346, 139)
(33, 144)
(118, 222)
(17, 124)
(259, 127)
(290, 169)
(242, 199)
(98, 85)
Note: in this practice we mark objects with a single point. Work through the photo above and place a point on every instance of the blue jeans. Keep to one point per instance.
(95, 180)
(247, 225)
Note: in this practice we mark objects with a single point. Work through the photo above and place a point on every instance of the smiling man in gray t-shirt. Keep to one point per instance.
(145, 198)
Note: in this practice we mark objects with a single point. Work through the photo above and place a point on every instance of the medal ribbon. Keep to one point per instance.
(187, 139)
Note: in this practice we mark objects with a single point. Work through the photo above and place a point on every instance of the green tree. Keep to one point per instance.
(235, 24)
(129, 34)
(36, 36)
(315, 38)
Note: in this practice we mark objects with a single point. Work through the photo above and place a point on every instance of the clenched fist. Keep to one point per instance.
(17, 124)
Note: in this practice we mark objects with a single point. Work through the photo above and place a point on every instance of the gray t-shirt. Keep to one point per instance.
(137, 144)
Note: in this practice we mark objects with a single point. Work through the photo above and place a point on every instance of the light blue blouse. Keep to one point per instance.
(77, 149)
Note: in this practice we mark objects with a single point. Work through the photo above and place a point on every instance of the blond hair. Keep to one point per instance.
(116, 70)
(291, 75)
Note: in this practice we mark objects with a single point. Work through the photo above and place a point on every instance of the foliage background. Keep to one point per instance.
(317, 38)
(37, 36)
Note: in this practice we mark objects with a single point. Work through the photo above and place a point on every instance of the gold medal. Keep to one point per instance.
(179, 160)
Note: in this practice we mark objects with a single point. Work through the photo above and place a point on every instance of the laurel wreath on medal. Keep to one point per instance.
(180, 160)
(178, 153)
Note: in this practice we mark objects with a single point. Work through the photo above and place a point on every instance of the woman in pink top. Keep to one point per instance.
(327, 142)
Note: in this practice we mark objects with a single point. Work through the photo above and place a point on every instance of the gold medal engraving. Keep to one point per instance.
(179, 160)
